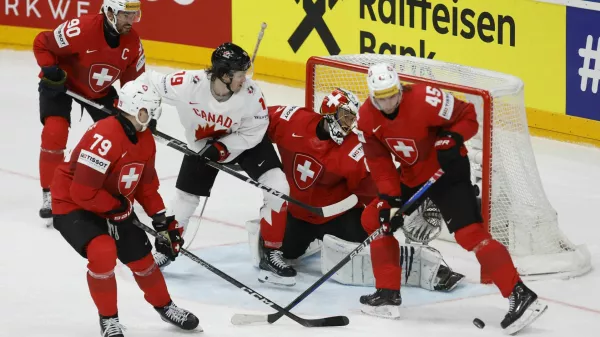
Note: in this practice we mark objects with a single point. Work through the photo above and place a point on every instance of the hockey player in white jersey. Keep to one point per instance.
(225, 118)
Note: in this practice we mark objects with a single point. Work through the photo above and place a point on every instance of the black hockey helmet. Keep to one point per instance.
(228, 58)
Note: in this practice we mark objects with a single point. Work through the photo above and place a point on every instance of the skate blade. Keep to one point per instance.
(382, 311)
(535, 310)
(49, 222)
(198, 328)
(272, 278)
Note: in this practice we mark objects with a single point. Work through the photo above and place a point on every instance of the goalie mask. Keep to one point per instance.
(136, 95)
(339, 110)
(124, 12)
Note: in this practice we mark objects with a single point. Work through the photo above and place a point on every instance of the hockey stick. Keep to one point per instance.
(309, 323)
(263, 26)
(245, 319)
(325, 211)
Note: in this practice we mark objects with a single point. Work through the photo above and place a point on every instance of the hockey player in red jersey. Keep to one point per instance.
(93, 196)
(85, 55)
(324, 163)
(425, 128)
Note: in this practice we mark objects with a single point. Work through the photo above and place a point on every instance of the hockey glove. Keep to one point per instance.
(389, 217)
(53, 81)
(449, 147)
(171, 235)
(122, 214)
(216, 151)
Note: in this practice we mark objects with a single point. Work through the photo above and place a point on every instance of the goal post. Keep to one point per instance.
(514, 206)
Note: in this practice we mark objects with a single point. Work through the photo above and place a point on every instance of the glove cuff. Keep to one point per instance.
(458, 138)
(391, 201)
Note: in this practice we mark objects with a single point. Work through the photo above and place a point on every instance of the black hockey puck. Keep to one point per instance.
(479, 323)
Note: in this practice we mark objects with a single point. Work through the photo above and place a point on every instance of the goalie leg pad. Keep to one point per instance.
(183, 206)
(358, 271)
(421, 265)
(492, 256)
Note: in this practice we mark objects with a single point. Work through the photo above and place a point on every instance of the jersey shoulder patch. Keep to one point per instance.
(357, 152)
(288, 112)
(93, 161)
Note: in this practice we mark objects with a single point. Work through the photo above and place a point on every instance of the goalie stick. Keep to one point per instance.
(309, 323)
(246, 319)
(325, 211)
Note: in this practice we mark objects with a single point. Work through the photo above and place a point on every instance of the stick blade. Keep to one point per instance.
(329, 321)
(248, 319)
(340, 206)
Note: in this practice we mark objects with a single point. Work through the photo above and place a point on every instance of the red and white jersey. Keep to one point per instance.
(103, 165)
(239, 122)
(319, 172)
(411, 135)
(78, 46)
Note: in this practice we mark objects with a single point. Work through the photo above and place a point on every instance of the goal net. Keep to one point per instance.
(514, 206)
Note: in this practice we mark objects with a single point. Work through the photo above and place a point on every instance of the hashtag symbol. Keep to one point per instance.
(589, 53)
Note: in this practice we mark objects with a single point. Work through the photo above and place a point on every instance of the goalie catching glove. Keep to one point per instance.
(170, 235)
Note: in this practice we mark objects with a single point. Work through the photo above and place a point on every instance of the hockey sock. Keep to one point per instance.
(272, 227)
(385, 258)
(150, 279)
(54, 142)
(102, 259)
(493, 257)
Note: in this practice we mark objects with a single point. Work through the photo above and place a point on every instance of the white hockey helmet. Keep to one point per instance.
(383, 81)
(132, 6)
(339, 109)
(136, 95)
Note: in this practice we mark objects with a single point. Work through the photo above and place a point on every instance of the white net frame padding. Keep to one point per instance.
(515, 208)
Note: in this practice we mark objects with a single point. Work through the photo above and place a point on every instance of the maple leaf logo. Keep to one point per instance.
(208, 131)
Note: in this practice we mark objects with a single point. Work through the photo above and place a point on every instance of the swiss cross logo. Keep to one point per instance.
(405, 149)
(102, 76)
(129, 178)
(306, 170)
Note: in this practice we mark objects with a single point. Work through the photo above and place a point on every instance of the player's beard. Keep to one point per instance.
(125, 29)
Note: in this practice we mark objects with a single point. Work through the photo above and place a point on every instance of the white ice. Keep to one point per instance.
(43, 289)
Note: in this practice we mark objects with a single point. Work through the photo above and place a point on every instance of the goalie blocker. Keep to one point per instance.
(422, 265)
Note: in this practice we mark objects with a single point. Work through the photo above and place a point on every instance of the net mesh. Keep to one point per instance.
(518, 211)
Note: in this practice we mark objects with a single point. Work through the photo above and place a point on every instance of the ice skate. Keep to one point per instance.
(524, 309)
(273, 269)
(179, 317)
(383, 303)
(110, 326)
